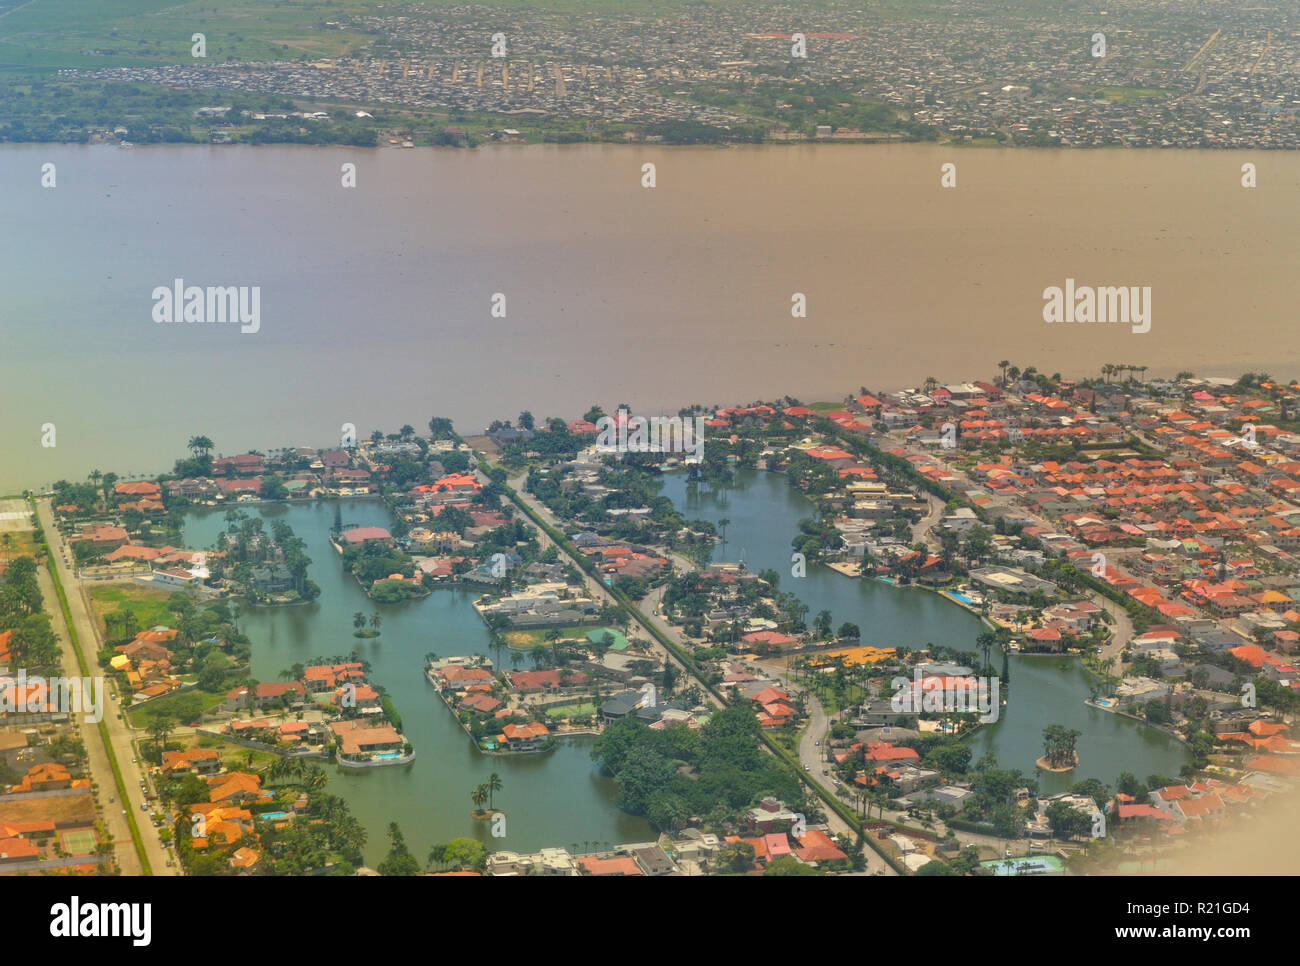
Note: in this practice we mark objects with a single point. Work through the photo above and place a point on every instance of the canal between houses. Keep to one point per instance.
(552, 799)
(764, 514)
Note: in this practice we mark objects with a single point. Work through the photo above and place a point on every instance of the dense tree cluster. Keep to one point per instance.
(673, 774)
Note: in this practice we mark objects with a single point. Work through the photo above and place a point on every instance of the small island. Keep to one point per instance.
(1058, 749)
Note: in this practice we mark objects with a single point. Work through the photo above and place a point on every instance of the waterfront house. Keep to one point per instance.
(610, 865)
(358, 536)
(359, 739)
(525, 737)
(272, 580)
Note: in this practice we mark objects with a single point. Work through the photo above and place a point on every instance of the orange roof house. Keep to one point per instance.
(615, 865)
(236, 787)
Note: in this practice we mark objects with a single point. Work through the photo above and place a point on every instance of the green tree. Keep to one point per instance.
(399, 860)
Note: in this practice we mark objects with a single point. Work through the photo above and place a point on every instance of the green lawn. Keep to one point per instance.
(48, 34)
(526, 640)
(179, 707)
(148, 604)
(571, 711)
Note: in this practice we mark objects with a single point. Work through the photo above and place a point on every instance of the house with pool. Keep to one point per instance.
(366, 743)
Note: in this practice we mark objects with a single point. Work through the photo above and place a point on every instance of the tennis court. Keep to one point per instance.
(78, 842)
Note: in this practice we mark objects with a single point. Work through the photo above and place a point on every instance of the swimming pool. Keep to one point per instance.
(274, 816)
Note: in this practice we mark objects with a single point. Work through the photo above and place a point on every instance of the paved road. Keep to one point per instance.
(596, 588)
(921, 529)
(120, 735)
(647, 613)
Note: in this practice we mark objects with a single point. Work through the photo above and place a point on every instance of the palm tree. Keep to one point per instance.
(358, 620)
(375, 620)
(316, 778)
(199, 446)
(1003, 366)
(493, 786)
(723, 524)
(159, 728)
(478, 797)
(437, 855)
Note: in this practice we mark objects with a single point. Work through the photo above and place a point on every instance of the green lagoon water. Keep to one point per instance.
(553, 799)
(765, 512)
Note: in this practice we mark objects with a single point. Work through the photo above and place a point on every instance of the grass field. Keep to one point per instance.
(526, 640)
(1124, 95)
(149, 605)
(21, 543)
(571, 710)
(48, 34)
(180, 707)
(232, 755)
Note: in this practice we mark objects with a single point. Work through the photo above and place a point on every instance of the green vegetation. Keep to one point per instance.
(571, 711)
(184, 706)
(801, 107)
(146, 607)
(32, 643)
(728, 770)
(526, 640)
(146, 868)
